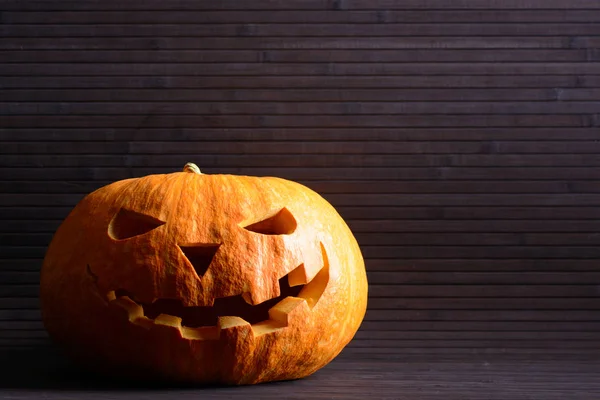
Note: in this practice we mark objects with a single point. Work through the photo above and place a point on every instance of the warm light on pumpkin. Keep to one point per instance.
(204, 278)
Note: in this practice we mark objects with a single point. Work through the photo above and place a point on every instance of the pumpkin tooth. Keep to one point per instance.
(298, 276)
(168, 325)
(289, 309)
(133, 310)
(277, 320)
(201, 333)
(231, 322)
(281, 315)
(234, 328)
(168, 320)
(268, 326)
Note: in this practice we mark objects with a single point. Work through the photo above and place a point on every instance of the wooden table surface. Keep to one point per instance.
(44, 374)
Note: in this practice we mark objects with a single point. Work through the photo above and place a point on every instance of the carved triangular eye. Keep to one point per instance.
(127, 224)
(282, 223)
(200, 256)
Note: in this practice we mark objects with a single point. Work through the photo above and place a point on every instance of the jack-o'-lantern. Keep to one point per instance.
(204, 278)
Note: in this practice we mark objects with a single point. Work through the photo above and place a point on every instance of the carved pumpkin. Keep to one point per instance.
(204, 278)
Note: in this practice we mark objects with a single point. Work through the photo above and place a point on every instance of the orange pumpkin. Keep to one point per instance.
(204, 278)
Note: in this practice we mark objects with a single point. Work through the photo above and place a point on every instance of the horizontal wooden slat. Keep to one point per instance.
(474, 226)
(586, 42)
(515, 290)
(258, 95)
(441, 354)
(484, 326)
(19, 290)
(339, 174)
(14, 343)
(276, 110)
(505, 336)
(285, 56)
(20, 334)
(492, 278)
(297, 30)
(302, 5)
(590, 80)
(350, 134)
(148, 164)
(20, 315)
(413, 42)
(301, 82)
(305, 147)
(347, 120)
(466, 200)
(6, 326)
(484, 264)
(578, 94)
(298, 69)
(474, 344)
(19, 302)
(68, 15)
(511, 252)
(464, 239)
(491, 304)
(19, 277)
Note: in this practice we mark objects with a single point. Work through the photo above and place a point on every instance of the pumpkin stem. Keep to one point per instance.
(191, 167)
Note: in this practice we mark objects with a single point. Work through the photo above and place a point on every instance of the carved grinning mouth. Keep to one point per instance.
(204, 323)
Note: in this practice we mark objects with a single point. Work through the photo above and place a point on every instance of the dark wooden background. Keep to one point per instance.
(459, 138)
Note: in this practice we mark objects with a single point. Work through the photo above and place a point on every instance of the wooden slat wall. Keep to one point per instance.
(460, 140)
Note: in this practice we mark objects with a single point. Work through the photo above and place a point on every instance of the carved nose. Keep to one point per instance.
(200, 256)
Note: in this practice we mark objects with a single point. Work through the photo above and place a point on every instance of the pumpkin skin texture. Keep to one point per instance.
(203, 278)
